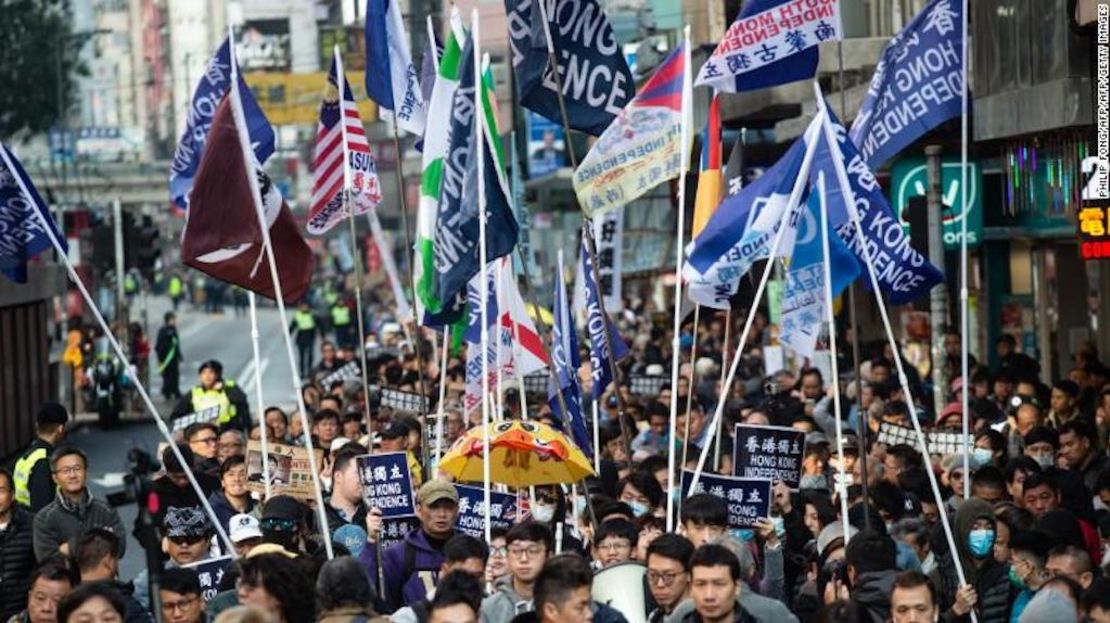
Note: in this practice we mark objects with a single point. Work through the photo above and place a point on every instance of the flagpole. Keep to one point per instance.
(723, 394)
(690, 377)
(853, 214)
(341, 80)
(676, 349)
(500, 395)
(252, 180)
(841, 487)
(479, 155)
(115, 345)
(587, 225)
(783, 224)
(965, 337)
(258, 394)
(862, 422)
(442, 398)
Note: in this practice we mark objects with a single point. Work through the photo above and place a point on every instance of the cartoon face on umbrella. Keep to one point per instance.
(520, 454)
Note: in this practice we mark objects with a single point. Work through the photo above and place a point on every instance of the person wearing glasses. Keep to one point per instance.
(203, 439)
(528, 547)
(668, 574)
(74, 510)
(613, 542)
(179, 592)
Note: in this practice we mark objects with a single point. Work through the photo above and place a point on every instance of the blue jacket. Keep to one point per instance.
(410, 568)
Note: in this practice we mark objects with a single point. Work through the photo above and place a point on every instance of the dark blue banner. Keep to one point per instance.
(601, 370)
(748, 499)
(387, 484)
(210, 572)
(565, 356)
(771, 452)
(503, 512)
(917, 84)
(597, 83)
(23, 234)
(211, 89)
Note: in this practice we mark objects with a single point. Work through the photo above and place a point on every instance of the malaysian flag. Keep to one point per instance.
(340, 137)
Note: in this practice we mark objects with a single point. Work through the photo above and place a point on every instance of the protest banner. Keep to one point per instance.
(404, 401)
(387, 484)
(645, 385)
(503, 511)
(210, 572)
(290, 471)
(204, 415)
(772, 452)
(748, 499)
(394, 530)
(939, 442)
(345, 373)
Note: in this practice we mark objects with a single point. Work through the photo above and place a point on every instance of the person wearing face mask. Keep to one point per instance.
(641, 492)
(549, 508)
(990, 448)
(988, 588)
(1028, 555)
(1041, 444)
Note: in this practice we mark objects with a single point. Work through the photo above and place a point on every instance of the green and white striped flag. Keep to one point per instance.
(437, 140)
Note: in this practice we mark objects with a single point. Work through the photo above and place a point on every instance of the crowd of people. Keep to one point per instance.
(1029, 508)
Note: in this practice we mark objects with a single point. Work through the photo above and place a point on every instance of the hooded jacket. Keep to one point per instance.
(410, 568)
(990, 579)
(872, 590)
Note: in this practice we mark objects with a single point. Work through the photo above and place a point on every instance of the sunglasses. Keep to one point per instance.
(186, 540)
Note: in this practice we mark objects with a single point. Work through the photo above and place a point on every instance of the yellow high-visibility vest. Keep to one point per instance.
(305, 321)
(22, 475)
(340, 315)
(205, 398)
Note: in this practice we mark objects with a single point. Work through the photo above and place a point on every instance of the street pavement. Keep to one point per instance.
(225, 337)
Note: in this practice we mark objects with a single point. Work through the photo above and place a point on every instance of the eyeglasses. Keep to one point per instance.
(615, 546)
(181, 604)
(71, 470)
(206, 440)
(520, 552)
(663, 578)
(498, 551)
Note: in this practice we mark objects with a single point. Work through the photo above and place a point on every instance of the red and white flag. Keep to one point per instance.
(222, 237)
(342, 159)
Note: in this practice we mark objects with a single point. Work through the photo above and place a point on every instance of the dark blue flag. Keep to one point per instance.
(601, 371)
(564, 353)
(596, 80)
(903, 273)
(917, 84)
(24, 218)
(456, 228)
(210, 92)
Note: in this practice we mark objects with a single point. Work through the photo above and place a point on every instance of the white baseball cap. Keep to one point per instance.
(243, 527)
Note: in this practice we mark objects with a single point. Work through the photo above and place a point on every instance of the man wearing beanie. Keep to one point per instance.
(34, 484)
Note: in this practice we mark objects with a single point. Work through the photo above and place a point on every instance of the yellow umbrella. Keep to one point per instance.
(535, 310)
(521, 454)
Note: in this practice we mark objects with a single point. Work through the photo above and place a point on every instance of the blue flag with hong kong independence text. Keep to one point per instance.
(24, 218)
(597, 83)
(601, 369)
(918, 83)
(564, 354)
(771, 42)
(209, 93)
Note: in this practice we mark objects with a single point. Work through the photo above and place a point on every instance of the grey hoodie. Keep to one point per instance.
(504, 603)
(763, 609)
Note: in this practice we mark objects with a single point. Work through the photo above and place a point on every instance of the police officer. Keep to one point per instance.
(34, 484)
(214, 391)
(304, 326)
(168, 349)
(176, 289)
(341, 322)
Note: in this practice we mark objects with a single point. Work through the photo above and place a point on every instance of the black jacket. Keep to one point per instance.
(991, 579)
(871, 592)
(17, 559)
(740, 615)
(168, 345)
(41, 484)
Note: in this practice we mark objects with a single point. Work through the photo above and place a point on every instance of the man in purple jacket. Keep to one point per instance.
(410, 568)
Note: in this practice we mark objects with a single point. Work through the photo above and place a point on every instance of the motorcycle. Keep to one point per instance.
(104, 393)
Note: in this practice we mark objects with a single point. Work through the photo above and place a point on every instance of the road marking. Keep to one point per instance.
(246, 373)
(263, 364)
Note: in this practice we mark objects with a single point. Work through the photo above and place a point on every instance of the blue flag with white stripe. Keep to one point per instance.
(771, 42)
(564, 353)
(601, 370)
(392, 80)
(803, 302)
(903, 273)
(210, 91)
(24, 218)
(917, 84)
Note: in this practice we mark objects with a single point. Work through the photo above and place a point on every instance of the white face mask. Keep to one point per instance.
(982, 455)
(543, 513)
(1044, 460)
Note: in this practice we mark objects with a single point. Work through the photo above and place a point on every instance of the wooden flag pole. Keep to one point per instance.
(252, 180)
(115, 345)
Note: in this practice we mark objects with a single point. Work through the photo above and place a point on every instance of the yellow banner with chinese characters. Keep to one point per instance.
(292, 99)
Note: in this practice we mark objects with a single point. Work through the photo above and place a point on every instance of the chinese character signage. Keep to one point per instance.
(771, 452)
(210, 572)
(386, 483)
(1094, 229)
(748, 499)
(204, 415)
(472, 510)
(290, 473)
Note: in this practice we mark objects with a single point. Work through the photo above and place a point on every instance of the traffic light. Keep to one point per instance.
(147, 248)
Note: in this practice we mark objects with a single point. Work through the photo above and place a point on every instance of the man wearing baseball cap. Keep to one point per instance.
(33, 481)
(214, 391)
(411, 568)
(245, 533)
